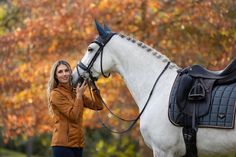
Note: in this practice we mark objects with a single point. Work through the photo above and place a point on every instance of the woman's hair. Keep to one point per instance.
(53, 81)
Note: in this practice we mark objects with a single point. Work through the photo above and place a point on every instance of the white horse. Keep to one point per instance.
(140, 66)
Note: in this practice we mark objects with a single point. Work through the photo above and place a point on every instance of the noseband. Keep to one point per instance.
(102, 43)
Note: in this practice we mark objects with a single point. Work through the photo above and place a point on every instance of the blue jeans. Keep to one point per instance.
(60, 151)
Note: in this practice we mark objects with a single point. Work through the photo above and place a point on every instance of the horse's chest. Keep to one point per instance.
(155, 126)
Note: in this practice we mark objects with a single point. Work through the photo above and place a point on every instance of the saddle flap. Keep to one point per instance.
(185, 83)
(193, 95)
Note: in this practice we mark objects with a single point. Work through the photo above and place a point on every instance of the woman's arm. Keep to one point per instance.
(69, 108)
(96, 104)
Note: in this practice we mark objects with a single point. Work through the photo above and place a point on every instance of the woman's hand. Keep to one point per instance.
(80, 89)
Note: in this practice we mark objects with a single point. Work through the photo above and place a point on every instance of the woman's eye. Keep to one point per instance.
(90, 49)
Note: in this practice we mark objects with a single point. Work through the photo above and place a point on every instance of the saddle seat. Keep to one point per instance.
(225, 76)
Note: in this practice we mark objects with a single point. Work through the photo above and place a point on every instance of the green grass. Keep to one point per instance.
(10, 153)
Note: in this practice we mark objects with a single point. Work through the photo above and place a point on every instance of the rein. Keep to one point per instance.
(102, 42)
(103, 102)
(137, 118)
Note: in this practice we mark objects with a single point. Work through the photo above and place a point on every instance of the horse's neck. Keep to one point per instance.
(138, 68)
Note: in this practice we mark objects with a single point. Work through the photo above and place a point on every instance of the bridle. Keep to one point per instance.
(102, 42)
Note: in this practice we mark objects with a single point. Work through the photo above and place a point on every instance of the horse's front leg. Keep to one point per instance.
(159, 153)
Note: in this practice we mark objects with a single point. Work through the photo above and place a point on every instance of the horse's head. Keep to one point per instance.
(96, 60)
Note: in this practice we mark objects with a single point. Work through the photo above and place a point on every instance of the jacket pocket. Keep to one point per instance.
(62, 132)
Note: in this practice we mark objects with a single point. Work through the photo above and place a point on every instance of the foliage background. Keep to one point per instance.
(34, 34)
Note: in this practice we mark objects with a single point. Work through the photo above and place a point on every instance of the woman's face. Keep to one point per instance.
(63, 73)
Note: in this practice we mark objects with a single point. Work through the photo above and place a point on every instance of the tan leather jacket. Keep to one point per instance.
(68, 116)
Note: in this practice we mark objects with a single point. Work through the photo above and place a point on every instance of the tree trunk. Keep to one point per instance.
(1, 142)
(29, 147)
(144, 19)
(0, 152)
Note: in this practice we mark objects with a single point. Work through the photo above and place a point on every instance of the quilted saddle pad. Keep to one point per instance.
(221, 113)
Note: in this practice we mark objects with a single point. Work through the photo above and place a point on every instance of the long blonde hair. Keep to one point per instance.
(53, 81)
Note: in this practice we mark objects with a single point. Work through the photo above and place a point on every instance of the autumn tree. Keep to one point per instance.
(34, 34)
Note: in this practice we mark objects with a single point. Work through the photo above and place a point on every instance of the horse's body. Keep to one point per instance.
(140, 66)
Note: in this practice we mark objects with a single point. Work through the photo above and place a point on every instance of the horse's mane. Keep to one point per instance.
(149, 49)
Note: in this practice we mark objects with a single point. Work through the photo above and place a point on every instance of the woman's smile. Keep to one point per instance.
(63, 74)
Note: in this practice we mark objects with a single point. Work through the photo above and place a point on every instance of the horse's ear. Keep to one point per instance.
(102, 33)
(106, 28)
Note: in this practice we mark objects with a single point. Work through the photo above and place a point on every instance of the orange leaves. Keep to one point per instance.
(188, 32)
(19, 122)
(53, 46)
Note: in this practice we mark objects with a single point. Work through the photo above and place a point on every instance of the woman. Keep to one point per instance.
(66, 108)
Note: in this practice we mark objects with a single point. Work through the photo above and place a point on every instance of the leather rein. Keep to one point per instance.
(92, 85)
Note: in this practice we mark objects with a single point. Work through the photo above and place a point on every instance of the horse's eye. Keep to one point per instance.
(90, 49)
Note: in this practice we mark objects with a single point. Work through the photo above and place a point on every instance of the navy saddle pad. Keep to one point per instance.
(221, 113)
